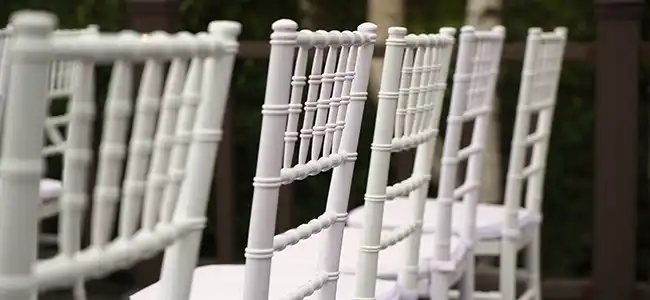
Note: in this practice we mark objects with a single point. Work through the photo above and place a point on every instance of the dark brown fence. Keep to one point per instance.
(575, 51)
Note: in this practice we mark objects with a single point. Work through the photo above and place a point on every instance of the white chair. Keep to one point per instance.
(479, 54)
(408, 116)
(171, 152)
(425, 60)
(544, 66)
(333, 110)
(489, 216)
(481, 76)
(60, 89)
(446, 258)
(421, 87)
(537, 97)
(397, 211)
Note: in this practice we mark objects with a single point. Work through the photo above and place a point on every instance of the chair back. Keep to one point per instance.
(475, 77)
(171, 147)
(333, 110)
(537, 95)
(410, 103)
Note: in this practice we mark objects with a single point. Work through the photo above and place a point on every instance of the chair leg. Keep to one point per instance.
(439, 286)
(533, 266)
(508, 270)
(79, 291)
(466, 287)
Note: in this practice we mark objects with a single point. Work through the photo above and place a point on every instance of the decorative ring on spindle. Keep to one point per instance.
(267, 182)
(298, 81)
(165, 141)
(157, 180)
(118, 109)
(191, 99)
(17, 168)
(381, 147)
(358, 96)
(78, 156)
(446, 200)
(374, 198)
(462, 78)
(350, 156)
(332, 276)
(369, 249)
(275, 109)
(141, 147)
(176, 176)
(258, 253)
(109, 194)
(207, 135)
(147, 105)
(172, 102)
(134, 188)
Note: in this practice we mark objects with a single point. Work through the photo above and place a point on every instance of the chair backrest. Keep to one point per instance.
(411, 96)
(537, 95)
(333, 110)
(477, 70)
(172, 147)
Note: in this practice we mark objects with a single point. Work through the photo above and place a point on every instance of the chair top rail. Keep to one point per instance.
(129, 45)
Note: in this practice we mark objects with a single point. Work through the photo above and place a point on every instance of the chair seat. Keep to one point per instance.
(226, 282)
(489, 222)
(391, 259)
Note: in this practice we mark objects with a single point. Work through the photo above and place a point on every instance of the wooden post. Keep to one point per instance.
(616, 147)
(147, 16)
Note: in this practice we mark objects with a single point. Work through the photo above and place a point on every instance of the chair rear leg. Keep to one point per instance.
(532, 253)
(439, 285)
(508, 270)
(467, 284)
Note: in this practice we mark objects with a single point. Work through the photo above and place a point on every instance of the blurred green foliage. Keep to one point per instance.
(569, 183)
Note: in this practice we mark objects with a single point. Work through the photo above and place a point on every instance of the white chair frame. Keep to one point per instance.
(537, 96)
(188, 148)
(477, 69)
(408, 115)
(337, 132)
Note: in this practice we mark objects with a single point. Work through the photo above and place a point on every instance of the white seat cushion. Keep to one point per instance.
(391, 260)
(50, 189)
(226, 282)
(489, 217)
